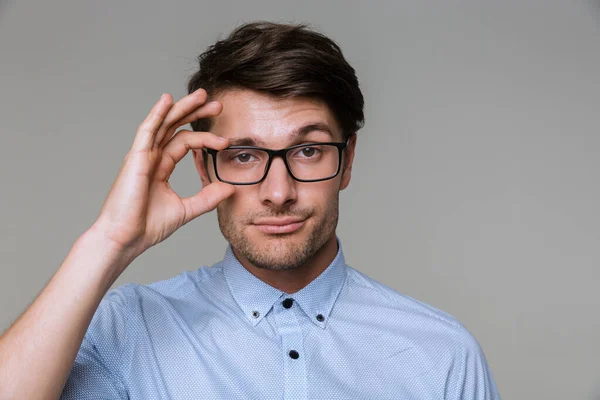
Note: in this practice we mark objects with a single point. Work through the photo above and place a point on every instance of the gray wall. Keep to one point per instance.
(475, 187)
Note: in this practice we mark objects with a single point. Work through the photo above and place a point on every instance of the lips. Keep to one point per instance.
(279, 225)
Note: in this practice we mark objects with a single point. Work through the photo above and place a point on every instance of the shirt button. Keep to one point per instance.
(287, 303)
(320, 318)
(255, 314)
(294, 354)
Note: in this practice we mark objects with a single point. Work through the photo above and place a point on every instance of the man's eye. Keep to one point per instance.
(308, 152)
(243, 157)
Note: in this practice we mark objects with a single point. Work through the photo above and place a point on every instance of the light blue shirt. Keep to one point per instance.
(221, 333)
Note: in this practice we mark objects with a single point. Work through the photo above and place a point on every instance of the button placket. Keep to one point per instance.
(292, 341)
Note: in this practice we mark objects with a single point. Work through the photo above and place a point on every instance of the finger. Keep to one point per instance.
(183, 107)
(206, 199)
(182, 142)
(207, 110)
(146, 132)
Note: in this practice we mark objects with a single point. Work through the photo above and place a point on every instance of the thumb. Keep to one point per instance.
(206, 199)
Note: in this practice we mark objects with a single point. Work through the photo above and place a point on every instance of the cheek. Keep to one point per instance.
(320, 195)
(226, 209)
(239, 204)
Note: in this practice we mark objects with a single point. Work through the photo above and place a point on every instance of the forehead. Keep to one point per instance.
(270, 120)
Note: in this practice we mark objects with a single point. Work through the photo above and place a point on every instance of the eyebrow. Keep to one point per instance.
(300, 132)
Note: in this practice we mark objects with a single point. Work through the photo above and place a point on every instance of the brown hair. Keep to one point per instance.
(282, 60)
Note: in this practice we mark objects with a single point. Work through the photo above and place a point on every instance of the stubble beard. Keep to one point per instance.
(281, 252)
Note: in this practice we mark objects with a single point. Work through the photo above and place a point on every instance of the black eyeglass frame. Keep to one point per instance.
(279, 153)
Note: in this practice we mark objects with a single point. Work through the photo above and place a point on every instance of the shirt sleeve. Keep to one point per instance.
(473, 377)
(96, 371)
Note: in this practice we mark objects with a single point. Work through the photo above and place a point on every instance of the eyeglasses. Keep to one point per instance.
(249, 165)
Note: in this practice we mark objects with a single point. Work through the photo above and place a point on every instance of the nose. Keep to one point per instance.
(278, 190)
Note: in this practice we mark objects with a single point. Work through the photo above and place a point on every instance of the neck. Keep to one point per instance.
(292, 280)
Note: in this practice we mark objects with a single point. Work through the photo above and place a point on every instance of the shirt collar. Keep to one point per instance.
(256, 298)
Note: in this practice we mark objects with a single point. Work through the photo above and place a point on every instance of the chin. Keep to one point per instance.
(277, 252)
(274, 243)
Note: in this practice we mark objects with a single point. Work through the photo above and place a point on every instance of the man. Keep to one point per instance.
(282, 315)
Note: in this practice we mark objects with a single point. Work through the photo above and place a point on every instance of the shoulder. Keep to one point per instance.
(176, 287)
(386, 296)
(124, 304)
(436, 338)
(421, 324)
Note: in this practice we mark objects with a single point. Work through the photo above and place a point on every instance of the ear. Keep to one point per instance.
(199, 162)
(347, 161)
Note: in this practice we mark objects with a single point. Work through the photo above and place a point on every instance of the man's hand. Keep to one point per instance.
(142, 209)
(37, 352)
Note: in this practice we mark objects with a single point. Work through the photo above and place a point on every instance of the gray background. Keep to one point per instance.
(475, 187)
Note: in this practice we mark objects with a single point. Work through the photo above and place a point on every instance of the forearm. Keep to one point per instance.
(37, 352)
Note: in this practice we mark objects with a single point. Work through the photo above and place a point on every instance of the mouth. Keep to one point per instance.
(279, 225)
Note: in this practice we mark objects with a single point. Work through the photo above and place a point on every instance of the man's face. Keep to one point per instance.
(250, 118)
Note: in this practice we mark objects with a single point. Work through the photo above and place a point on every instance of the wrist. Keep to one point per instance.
(113, 256)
